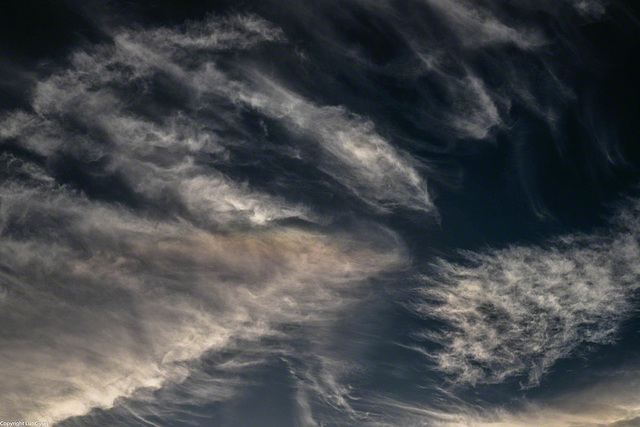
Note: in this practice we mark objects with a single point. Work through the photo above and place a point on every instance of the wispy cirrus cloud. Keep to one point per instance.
(116, 281)
(515, 312)
(612, 400)
(354, 153)
(477, 26)
(101, 304)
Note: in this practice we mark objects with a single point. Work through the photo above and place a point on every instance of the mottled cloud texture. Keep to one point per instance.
(516, 311)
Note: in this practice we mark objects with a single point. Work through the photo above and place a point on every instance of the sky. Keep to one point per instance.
(320, 213)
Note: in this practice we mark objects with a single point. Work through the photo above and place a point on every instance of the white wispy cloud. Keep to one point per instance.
(475, 110)
(156, 158)
(106, 305)
(354, 153)
(233, 32)
(109, 303)
(103, 85)
(478, 26)
(613, 401)
(516, 311)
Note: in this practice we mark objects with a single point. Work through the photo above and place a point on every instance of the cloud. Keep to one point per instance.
(110, 304)
(476, 111)
(595, 8)
(613, 401)
(233, 32)
(477, 26)
(514, 312)
(105, 87)
(354, 153)
(155, 157)
(111, 298)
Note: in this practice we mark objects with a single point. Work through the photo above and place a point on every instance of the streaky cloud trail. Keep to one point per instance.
(113, 296)
(110, 304)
